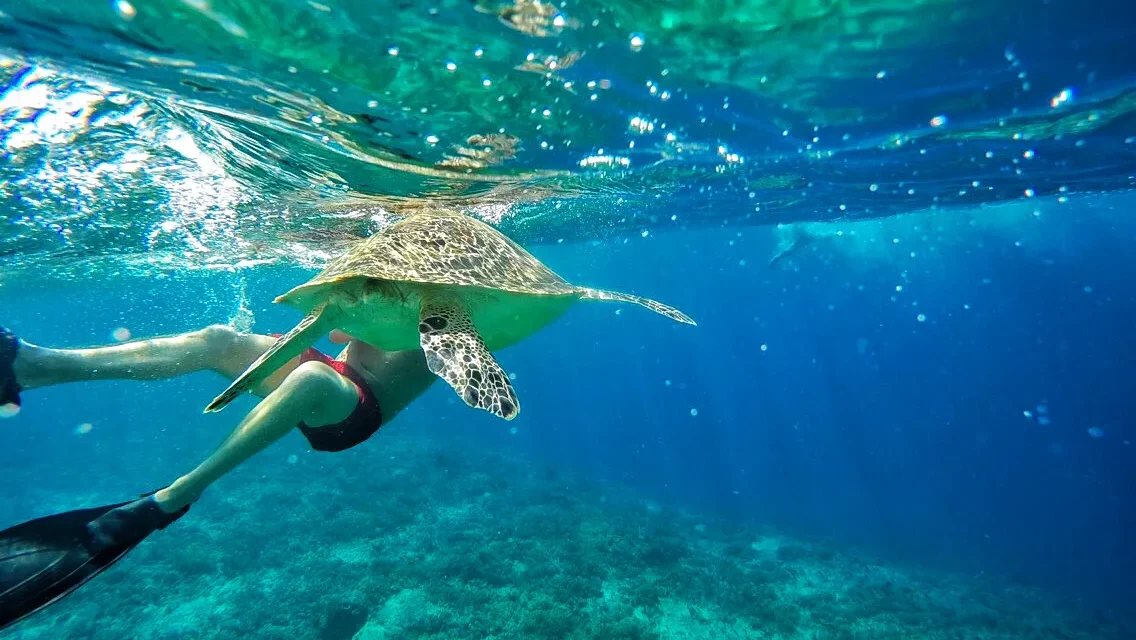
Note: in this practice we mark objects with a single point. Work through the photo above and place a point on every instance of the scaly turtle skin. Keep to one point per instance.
(442, 282)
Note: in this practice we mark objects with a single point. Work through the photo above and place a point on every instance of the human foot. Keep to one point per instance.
(130, 523)
(175, 497)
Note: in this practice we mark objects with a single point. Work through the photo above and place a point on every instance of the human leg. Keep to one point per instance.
(44, 559)
(216, 348)
(313, 393)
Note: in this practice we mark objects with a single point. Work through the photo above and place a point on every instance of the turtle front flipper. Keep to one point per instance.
(653, 305)
(456, 353)
(318, 323)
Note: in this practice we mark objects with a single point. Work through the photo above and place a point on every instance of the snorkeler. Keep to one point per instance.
(335, 403)
(791, 238)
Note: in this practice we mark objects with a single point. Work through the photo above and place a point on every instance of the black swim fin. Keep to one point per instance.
(9, 388)
(43, 560)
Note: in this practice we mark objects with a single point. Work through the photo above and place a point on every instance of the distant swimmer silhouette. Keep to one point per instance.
(791, 238)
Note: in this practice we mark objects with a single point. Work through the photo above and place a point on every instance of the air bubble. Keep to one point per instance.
(125, 9)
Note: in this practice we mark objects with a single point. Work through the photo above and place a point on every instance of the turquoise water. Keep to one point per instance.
(903, 230)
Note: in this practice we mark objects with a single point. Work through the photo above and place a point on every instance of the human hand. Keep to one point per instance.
(338, 337)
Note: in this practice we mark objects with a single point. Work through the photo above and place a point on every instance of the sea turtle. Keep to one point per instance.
(441, 281)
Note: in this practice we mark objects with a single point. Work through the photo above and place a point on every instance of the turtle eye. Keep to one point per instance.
(437, 323)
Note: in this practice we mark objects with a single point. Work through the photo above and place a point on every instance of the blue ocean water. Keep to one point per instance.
(866, 397)
(904, 232)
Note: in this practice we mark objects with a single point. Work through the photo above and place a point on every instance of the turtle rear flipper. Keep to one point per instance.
(456, 353)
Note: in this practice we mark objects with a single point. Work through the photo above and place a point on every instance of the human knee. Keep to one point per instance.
(218, 338)
(312, 376)
(319, 393)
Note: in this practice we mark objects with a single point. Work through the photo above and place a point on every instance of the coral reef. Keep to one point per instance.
(409, 538)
